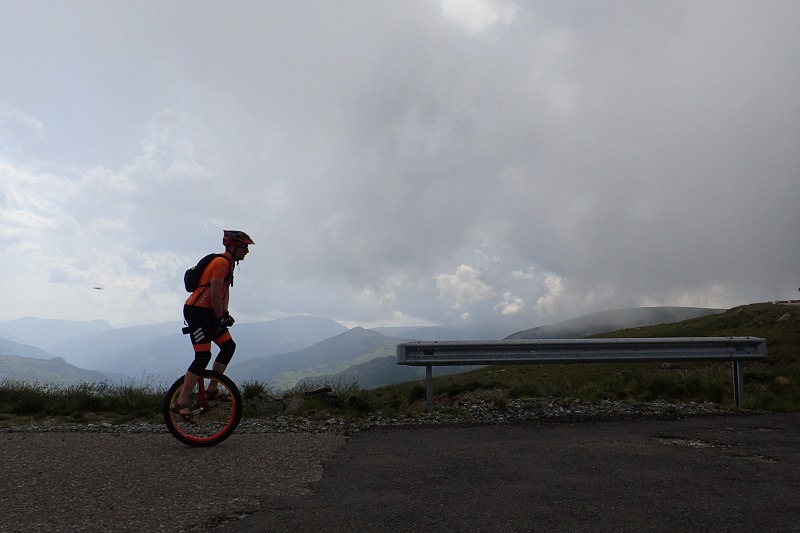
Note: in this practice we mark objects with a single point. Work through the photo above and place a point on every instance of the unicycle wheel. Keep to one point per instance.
(212, 419)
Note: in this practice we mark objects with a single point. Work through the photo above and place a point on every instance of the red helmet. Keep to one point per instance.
(235, 238)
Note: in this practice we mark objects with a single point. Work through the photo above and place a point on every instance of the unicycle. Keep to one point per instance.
(212, 420)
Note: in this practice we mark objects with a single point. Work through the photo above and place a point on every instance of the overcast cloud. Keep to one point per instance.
(414, 162)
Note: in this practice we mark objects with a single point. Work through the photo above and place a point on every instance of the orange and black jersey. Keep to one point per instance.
(220, 267)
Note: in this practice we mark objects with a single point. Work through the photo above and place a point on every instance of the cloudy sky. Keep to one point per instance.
(396, 163)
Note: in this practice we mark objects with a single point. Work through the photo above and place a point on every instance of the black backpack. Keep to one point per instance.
(191, 278)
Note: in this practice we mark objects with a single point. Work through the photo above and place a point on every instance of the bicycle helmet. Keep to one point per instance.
(235, 238)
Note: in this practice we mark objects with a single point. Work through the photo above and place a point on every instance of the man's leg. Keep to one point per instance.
(199, 320)
(201, 359)
(189, 381)
(226, 349)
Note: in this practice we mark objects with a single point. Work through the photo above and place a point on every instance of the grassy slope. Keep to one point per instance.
(779, 324)
(774, 385)
(53, 370)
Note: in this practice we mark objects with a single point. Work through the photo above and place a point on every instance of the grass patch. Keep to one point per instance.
(252, 389)
(79, 402)
(323, 398)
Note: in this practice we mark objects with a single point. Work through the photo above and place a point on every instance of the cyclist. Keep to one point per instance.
(207, 318)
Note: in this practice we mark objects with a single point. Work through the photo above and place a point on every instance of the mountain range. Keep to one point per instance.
(279, 353)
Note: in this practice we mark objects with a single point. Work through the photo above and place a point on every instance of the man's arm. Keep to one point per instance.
(218, 297)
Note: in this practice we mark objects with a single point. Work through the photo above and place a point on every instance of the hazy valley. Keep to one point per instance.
(279, 352)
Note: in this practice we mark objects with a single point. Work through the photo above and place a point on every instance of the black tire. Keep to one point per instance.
(211, 421)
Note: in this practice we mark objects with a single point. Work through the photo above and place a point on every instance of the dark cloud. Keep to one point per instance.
(406, 161)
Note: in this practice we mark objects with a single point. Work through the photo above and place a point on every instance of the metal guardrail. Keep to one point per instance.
(728, 349)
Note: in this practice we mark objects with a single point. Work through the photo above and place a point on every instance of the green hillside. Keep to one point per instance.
(778, 324)
(333, 355)
(772, 385)
(55, 370)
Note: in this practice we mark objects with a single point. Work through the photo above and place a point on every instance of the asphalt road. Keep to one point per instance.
(83, 481)
(726, 473)
(739, 473)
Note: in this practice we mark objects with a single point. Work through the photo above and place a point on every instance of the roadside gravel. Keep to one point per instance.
(478, 407)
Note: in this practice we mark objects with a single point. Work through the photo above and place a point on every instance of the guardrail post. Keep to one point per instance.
(738, 383)
(429, 387)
